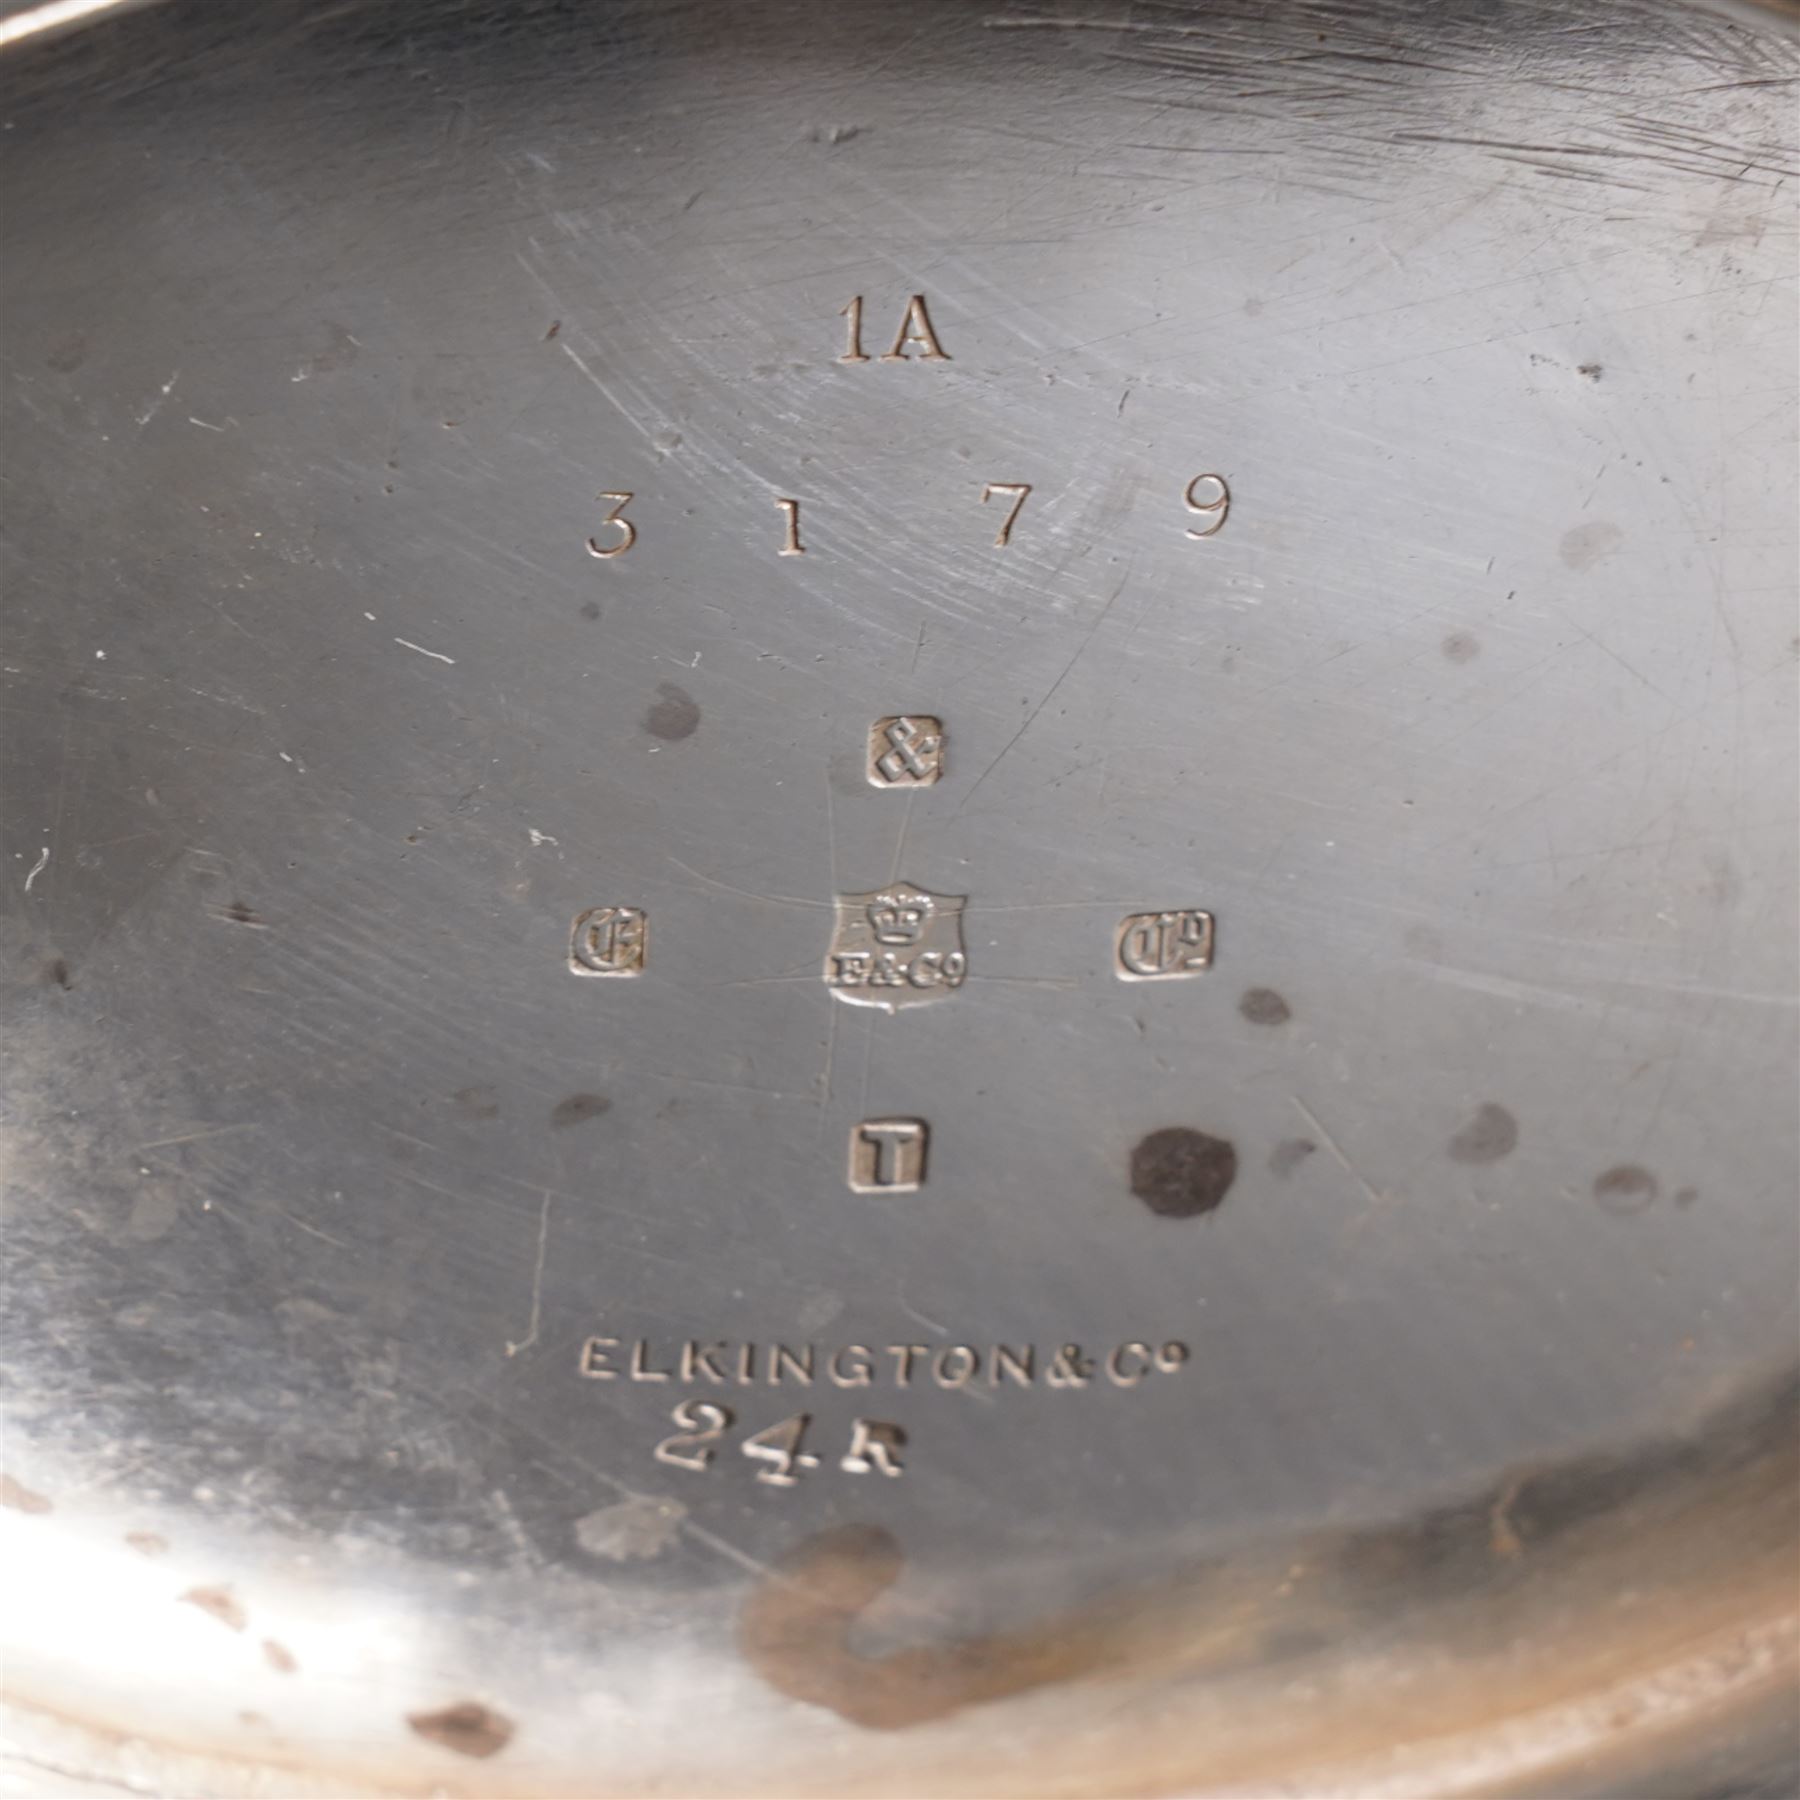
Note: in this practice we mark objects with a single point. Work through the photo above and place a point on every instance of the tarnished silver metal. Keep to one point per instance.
(1308, 1308)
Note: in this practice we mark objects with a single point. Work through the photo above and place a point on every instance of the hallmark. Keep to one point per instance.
(899, 946)
(741, 1363)
(610, 940)
(887, 1156)
(906, 752)
(1164, 946)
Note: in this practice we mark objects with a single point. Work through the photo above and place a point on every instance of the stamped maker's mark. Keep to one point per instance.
(906, 752)
(610, 940)
(1163, 946)
(897, 946)
(887, 1156)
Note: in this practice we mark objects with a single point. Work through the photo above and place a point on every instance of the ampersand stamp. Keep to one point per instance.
(906, 752)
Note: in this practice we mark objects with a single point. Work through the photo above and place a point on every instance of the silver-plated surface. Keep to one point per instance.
(1327, 466)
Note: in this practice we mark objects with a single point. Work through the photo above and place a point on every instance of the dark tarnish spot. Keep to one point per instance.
(21, 1498)
(590, 609)
(577, 1109)
(1624, 1189)
(555, 327)
(56, 973)
(1289, 1154)
(1685, 1197)
(674, 716)
(1234, 1613)
(468, 1728)
(1181, 1174)
(797, 1627)
(148, 1543)
(1592, 371)
(67, 354)
(1490, 1135)
(1263, 1006)
(1461, 647)
(220, 1602)
(1584, 545)
(476, 1102)
(1503, 1534)
(239, 912)
(795, 1633)
(279, 1657)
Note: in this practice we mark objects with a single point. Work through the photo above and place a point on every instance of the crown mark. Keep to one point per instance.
(900, 918)
(898, 946)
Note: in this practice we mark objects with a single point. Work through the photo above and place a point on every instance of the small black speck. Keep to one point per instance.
(578, 1109)
(1624, 1189)
(1490, 1135)
(1180, 1173)
(1590, 370)
(555, 327)
(674, 716)
(468, 1728)
(1263, 1006)
(240, 913)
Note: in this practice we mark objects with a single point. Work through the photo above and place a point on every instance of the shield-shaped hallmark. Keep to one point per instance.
(899, 946)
